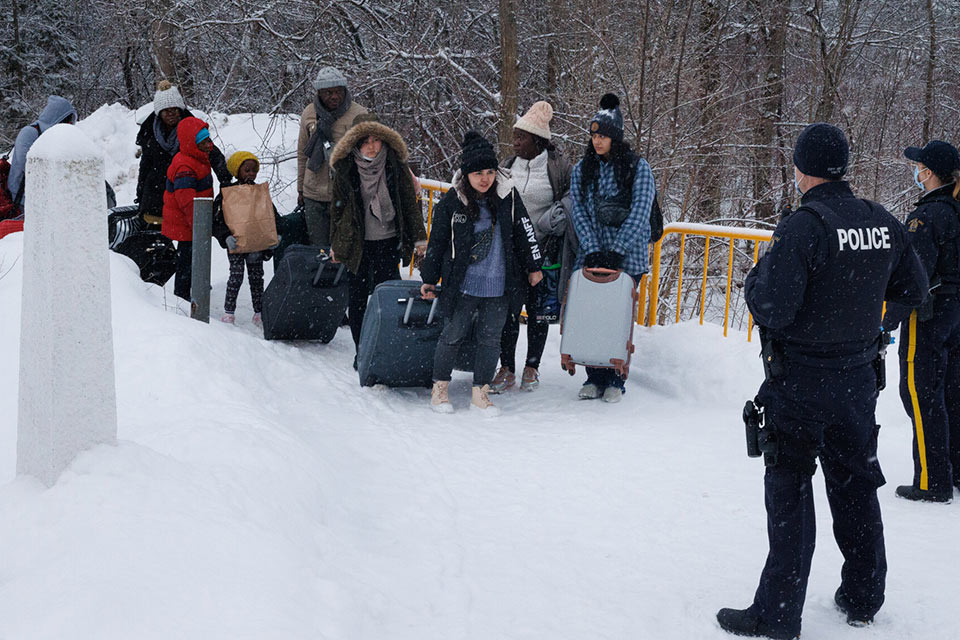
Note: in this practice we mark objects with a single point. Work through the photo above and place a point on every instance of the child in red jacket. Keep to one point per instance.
(188, 177)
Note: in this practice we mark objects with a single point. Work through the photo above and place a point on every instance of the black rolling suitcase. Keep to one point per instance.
(399, 337)
(306, 298)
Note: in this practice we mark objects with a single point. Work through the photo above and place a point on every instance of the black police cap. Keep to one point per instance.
(939, 156)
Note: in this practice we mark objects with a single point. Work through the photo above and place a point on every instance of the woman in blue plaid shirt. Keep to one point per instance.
(613, 190)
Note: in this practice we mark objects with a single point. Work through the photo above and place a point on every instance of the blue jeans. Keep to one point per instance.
(491, 315)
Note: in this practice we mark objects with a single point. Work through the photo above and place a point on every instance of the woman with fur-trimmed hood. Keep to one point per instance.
(375, 219)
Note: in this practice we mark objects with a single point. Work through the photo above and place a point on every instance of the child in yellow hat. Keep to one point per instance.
(243, 166)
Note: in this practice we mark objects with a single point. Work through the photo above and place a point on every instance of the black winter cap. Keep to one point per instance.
(938, 156)
(822, 151)
(477, 153)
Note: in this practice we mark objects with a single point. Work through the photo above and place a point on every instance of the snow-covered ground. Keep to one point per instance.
(258, 492)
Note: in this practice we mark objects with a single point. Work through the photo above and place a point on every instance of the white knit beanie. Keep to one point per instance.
(536, 120)
(166, 97)
(328, 78)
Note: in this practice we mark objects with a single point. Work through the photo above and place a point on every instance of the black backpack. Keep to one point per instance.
(656, 213)
(656, 220)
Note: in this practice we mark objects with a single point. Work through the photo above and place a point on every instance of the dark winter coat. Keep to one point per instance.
(934, 232)
(188, 177)
(346, 210)
(154, 162)
(820, 295)
(451, 238)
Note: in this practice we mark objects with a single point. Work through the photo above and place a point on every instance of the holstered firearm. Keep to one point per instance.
(761, 439)
(880, 362)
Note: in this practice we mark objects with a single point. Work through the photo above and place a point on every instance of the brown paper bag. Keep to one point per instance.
(248, 211)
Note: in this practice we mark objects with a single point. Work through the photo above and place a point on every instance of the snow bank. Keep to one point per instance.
(259, 492)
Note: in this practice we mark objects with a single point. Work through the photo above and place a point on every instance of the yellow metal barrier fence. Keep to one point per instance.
(707, 232)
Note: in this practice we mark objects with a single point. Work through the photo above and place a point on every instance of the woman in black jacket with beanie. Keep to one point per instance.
(484, 247)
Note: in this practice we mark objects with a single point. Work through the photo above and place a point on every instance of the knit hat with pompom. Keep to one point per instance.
(166, 97)
(608, 121)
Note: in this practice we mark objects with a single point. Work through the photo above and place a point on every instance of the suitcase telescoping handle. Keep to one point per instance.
(336, 278)
(413, 297)
(601, 275)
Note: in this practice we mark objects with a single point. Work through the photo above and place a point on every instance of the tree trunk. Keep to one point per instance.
(773, 15)
(164, 60)
(555, 20)
(710, 124)
(126, 62)
(509, 77)
(17, 46)
(931, 67)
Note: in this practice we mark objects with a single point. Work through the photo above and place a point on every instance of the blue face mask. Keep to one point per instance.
(796, 184)
(916, 178)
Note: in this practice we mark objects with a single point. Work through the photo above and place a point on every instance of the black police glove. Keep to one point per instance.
(594, 259)
(611, 260)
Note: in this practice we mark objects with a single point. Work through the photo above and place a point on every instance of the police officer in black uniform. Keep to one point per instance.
(817, 296)
(930, 335)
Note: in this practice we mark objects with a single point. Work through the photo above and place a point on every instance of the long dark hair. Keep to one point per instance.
(474, 198)
(624, 166)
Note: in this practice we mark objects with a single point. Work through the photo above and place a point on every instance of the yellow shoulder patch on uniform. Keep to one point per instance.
(913, 225)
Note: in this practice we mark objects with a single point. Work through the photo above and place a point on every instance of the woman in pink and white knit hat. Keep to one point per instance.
(542, 177)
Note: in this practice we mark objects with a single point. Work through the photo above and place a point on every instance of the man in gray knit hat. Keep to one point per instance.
(323, 122)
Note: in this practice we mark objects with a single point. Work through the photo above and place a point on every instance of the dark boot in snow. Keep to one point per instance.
(909, 492)
(744, 622)
(854, 618)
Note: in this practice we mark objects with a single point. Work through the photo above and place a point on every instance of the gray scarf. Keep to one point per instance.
(320, 145)
(373, 185)
(169, 141)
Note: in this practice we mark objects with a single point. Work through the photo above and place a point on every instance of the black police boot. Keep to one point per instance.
(745, 622)
(854, 618)
(910, 492)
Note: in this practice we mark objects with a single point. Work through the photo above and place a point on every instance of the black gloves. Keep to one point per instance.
(593, 259)
(612, 260)
(603, 259)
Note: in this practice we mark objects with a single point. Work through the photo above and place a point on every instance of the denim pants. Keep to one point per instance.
(491, 314)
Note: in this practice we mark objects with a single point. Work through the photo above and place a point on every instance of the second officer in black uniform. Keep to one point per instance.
(817, 296)
(930, 334)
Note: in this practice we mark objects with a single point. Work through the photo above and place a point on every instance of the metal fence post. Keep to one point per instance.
(200, 277)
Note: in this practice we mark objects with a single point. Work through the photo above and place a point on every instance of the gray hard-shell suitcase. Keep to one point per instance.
(399, 337)
(307, 297)
(598, 316)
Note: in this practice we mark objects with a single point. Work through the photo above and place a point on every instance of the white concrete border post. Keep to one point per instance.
(67, 397)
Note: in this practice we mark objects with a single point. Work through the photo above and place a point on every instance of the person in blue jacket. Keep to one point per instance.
(610, 173)
(58, 110)
(930, 334)
(817, 296)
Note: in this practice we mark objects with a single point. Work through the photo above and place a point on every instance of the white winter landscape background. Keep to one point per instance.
(258, 492)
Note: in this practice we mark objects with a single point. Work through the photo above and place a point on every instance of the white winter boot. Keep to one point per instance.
(440, 397)
(589, 391)
(481, 401)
